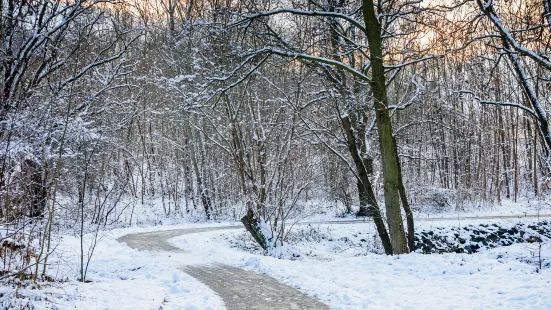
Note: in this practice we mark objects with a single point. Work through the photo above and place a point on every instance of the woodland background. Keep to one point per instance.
(198, 109)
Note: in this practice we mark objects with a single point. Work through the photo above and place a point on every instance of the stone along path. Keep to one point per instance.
(242, 289)
(238, 288)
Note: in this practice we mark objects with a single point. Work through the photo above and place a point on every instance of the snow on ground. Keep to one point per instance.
(124, 278)
(505, 208)
(346, 277)
(338, 265)
(320, 211)
(121, 278)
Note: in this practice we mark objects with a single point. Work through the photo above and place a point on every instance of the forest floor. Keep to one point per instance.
(328, 260)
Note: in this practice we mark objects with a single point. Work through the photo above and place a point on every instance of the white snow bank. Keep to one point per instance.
(122, 278)
(492, 279)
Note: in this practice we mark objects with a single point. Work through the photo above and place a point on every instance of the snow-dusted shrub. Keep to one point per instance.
(18, 252)
(309, 233)
(244, 242)
(432, 199)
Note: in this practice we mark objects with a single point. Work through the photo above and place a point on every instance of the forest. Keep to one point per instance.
(120, 114)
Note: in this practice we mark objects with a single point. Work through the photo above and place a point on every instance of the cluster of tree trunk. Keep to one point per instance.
(246, 110)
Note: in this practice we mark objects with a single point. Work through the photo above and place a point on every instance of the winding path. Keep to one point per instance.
(241, 289)
(238, 288)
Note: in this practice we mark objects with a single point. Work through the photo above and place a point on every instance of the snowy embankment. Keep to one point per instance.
(119, 278)
(524, 206)
(339, 264)
(345, 275)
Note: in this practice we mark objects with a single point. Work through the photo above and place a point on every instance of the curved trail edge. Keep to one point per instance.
(241, 289)
(238, 288)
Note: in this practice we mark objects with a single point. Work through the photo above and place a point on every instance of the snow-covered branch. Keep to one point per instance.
(345, 17)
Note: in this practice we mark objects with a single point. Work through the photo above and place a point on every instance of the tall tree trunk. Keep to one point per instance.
(407, 208)
(251, 220)
(205, 199)
(365, 189)
(390, 165)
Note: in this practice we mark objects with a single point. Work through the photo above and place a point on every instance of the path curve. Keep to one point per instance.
(238, 288)
(241, 289)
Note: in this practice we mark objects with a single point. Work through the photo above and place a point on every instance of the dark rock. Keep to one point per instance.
(533, 239)
(469, 249)
(477, 239)
(459, 250)
(492, 238)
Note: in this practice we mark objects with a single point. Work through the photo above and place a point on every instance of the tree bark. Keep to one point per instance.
(367, 196)
(390, 166)
(407, 208)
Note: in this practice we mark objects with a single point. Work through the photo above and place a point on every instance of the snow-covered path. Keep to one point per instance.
(238, 288)
(493, 279)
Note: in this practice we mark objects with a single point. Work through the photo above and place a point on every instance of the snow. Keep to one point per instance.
(121, 278)
(336, 263)
(505, 208)
(492, 279)
(181, 78)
